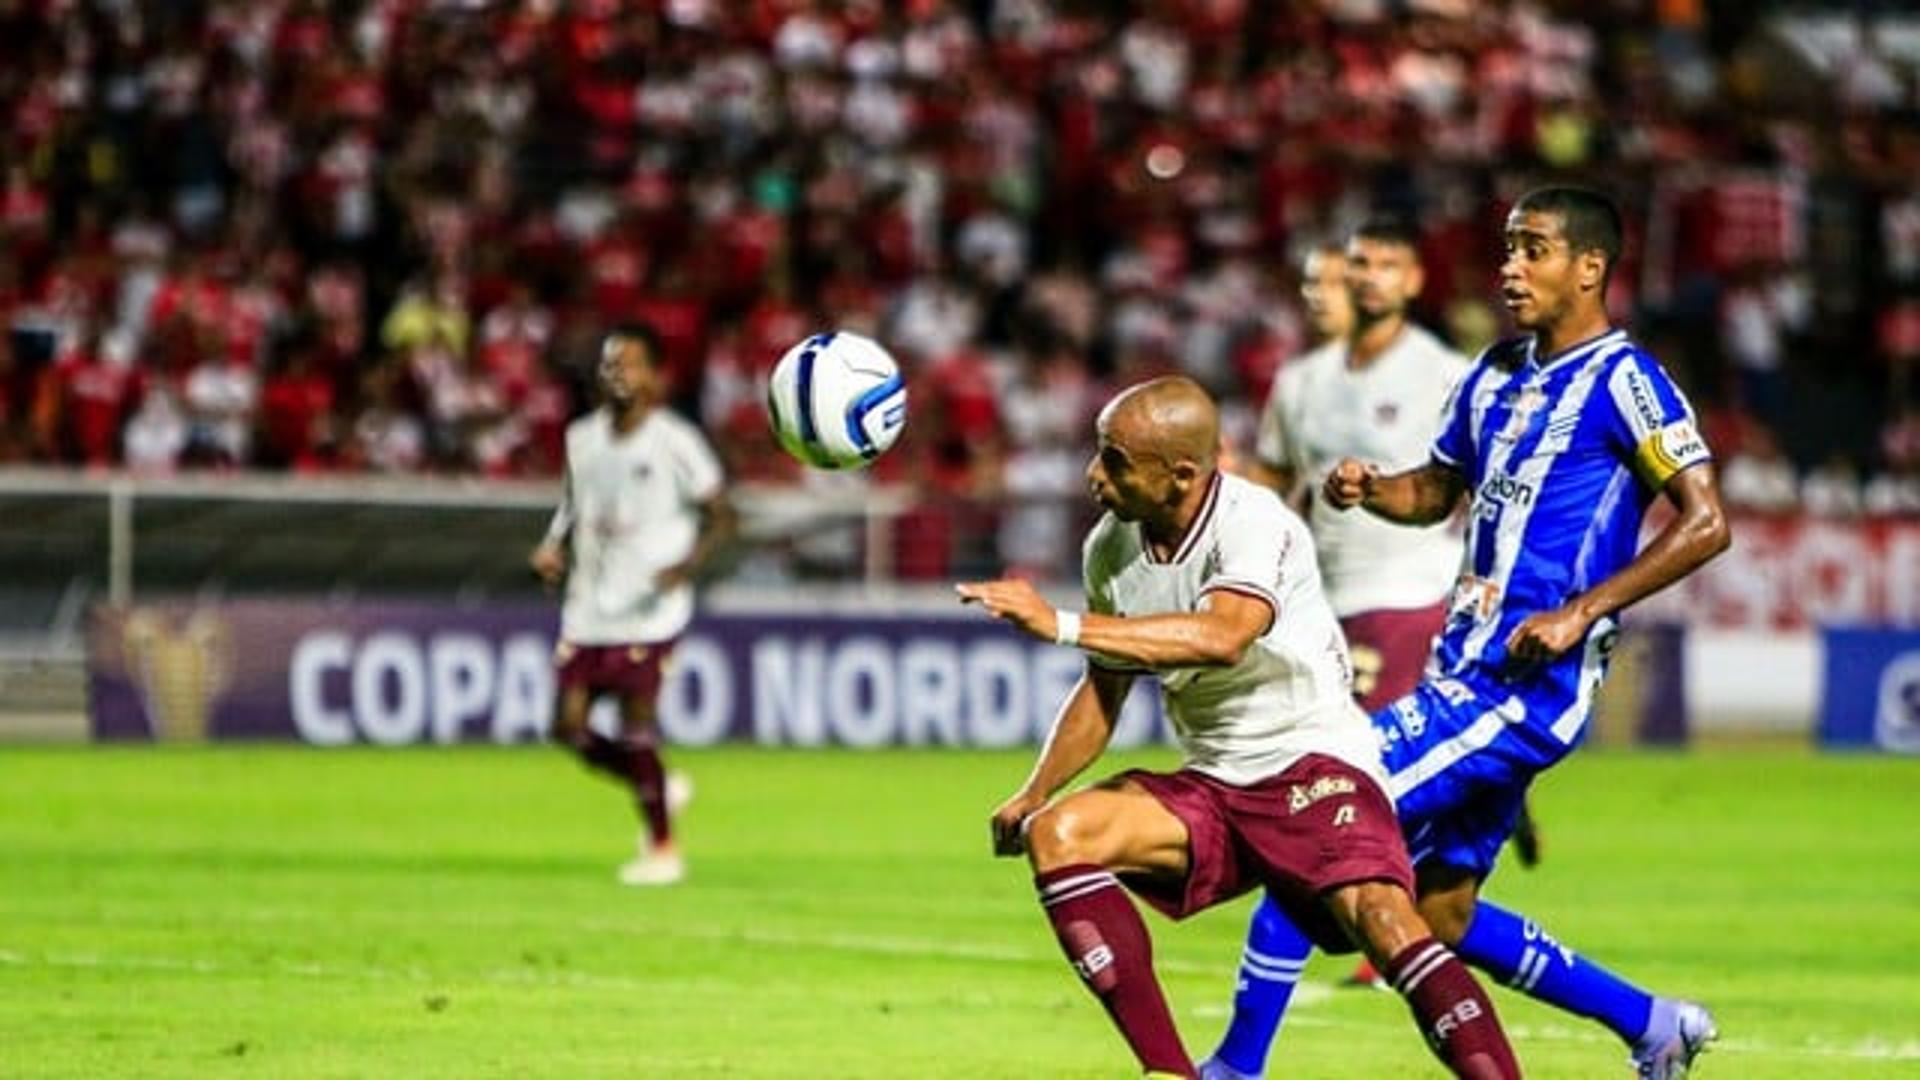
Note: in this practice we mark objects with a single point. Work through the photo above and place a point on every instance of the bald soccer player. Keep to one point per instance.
(1208, 581)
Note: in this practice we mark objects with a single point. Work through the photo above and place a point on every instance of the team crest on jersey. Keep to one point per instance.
(1300, 797)
(1529, 401)
(1386, 412)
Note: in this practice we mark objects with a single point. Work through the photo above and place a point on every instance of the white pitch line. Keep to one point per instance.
(1307, 994)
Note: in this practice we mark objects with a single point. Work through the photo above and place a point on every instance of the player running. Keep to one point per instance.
(1559, 441)
(1210, 581)
(643, 510)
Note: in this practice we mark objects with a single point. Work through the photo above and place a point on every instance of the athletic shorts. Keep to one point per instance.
(1458, 765)
(634, 670)
(1389, 650)
(1319, 824)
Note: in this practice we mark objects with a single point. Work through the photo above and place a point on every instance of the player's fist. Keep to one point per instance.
(549, 562)
(1349, 483)
(1009, 823)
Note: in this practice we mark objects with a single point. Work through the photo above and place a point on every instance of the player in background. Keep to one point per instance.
(1559, 441)
(1328, 305)
(1208, 580)
(1374, 392)
(642, 513)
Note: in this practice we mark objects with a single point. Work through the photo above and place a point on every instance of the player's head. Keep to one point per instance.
(1561, 244)
(1323, 290)
(1383, 269)
(1157, 442)
(630, 364)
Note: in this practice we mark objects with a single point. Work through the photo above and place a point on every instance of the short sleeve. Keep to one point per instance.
(700, 473)
(1453, 446)
(1649, 423)
(1254, 551)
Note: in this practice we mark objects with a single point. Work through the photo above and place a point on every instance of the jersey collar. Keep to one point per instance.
(1573, 352)
(1191, 538)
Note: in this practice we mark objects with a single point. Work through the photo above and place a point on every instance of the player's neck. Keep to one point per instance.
(1551, 341)
(630, 416)
(1166, 535)
(1370, 339)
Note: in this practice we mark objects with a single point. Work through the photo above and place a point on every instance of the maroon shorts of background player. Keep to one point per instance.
(632, 670)
(1389, 650)
(1319, 824)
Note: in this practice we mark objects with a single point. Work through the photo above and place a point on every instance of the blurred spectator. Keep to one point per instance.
(1759, 476)
(1832, 489)
(372, 236)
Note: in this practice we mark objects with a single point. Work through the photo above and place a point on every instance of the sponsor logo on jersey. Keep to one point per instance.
(1300, 797)
(1645, 403)
(1502, 489)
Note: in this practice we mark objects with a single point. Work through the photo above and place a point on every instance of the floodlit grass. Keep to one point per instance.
(287, 912)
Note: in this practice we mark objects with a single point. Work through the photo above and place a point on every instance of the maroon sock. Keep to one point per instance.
(1108, 945)
(1454, 1013)
(607, 755)
(648, 774)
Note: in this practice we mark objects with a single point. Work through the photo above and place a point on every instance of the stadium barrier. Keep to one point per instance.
(1872, 699)
(397, 674)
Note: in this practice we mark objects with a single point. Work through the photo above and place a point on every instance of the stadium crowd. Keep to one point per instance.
(386, 235)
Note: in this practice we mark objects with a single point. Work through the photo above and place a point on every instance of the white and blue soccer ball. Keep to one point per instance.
(837, 400)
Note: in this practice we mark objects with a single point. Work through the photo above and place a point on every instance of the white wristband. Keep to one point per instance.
(1066, 629)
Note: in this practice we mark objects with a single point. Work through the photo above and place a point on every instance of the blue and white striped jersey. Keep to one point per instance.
(1563, 455)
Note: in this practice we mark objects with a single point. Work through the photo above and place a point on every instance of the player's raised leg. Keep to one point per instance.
(1076, 846)
(1664, 1034)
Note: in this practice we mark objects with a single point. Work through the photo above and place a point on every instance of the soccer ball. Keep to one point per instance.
(837, 400)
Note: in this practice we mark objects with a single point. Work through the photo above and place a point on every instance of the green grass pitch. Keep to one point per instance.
(280, 912)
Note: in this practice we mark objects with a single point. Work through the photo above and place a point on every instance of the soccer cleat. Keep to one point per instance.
(679, 792)
(658, 867)
(1669, 1053)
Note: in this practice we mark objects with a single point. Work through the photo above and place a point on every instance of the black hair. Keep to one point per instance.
(644, 333)
(1589, 220)
(1389, 230)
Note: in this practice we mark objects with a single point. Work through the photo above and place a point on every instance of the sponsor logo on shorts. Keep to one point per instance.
(1345, 815)
(1300, 797)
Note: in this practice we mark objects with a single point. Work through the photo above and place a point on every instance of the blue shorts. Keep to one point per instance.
(1458, 763)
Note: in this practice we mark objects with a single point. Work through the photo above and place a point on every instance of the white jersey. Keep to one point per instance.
(632, 508)
(1386, 414)
(1291, 693)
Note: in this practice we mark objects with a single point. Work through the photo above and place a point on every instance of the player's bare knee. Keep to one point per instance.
(1062, 835)
(1384, 918)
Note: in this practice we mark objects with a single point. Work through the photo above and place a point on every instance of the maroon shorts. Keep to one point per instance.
(1316, 826)
(633, 670)
(1389, 650)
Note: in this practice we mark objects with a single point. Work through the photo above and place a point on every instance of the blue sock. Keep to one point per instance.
(1519, 953)
(1275, 955)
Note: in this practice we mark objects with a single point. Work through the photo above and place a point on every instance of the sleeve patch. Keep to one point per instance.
(1669, 450)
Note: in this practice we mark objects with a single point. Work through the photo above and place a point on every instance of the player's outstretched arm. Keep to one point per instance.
(1696, 534)
(1079, 735)
(1419, 496)
(1214, 636)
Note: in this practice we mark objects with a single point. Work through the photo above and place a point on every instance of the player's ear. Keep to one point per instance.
(1591, 268)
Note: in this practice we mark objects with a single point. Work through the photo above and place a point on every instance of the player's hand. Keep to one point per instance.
(549, 561)
(1015, 601)
(1544, 635)
(1009, 822)
(1349, 484)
